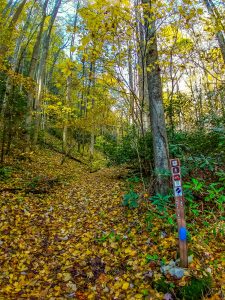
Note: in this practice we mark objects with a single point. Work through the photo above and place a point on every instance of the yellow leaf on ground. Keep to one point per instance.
(67, 276)
(130, 251)
(125, 286)
(138, 296)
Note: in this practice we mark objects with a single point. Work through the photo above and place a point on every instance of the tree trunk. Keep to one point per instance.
(41, 71)
(90, 85)
(68, 85)
(68, 103)
(7, 106)
(92, 146)
(157, 118)
(17, 14)
(131, 84)
(216, 19)
(31, 74)
(5, 10)
(14, 62)
(4, 48)
(142, 73)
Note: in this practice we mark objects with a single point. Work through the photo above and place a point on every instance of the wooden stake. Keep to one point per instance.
(179, 201)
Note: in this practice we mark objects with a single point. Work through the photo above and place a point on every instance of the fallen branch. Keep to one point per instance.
(26, 191)
(65, 154)
(11, 190)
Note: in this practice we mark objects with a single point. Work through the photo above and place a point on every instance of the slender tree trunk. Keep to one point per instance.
(32, 71)
(36, 49)
(15, 61)
(3, 143)
(68, 103)
(92, 83)
(6, 9)
(216, 19)
(17, 14)
(68, 84)
(6, 111)
(131, 84)
(142, 72)
(92, 146)
(42, 69)
(81, 105)
(4, 48)
(160, 143)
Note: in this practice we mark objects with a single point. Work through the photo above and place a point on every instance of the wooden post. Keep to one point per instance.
(179, 201)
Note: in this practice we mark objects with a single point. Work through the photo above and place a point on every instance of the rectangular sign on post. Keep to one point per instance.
(179, 201)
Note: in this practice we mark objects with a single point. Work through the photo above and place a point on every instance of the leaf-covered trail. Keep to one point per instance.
(66, 243)
(76, 241)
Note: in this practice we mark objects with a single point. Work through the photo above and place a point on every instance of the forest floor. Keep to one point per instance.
(64, 234)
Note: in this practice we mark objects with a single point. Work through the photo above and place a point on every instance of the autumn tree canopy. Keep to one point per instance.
(96, 98)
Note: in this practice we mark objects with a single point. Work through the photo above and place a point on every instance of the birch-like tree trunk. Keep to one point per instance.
(42, 70)
(131, 84)
(69, 83)
(142, 72)
(92, 84)
(7, 7)
(12, 24)
(32, 71)
(17, 14)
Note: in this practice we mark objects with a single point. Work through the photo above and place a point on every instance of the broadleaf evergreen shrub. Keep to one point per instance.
(5, 173)
(130, 199)
(128, 149)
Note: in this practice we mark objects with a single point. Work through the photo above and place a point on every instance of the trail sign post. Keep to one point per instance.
(179, 201)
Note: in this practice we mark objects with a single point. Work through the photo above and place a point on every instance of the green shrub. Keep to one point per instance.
(196, 288)
(131, 148)
(213, 193)
(5, 173)
(161, 202)
(131, 199)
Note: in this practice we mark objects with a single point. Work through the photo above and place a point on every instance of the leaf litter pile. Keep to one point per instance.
(65, 235)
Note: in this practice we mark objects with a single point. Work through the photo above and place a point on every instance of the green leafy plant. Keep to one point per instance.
(192, 204)
(162, 285)
(124, 150)
(5, 173)
(221, 176)
(149, 219)
(191, 189)
(131, 181)
(34, 182)
(204, 162)
(161, 202)
(196, 288)
(195, 185)
(110, 236)
(215, 193)
(134, 179)
(130, 199)
(150, 258)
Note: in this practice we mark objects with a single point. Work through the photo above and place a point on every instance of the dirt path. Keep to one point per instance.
(76, 241)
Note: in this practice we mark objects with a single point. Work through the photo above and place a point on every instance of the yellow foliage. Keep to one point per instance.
(125, 285)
